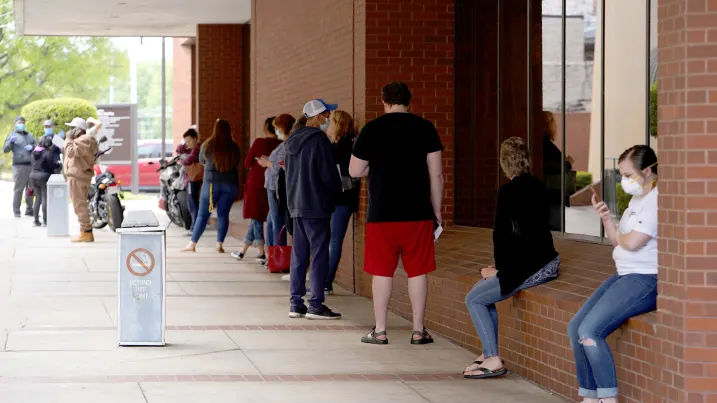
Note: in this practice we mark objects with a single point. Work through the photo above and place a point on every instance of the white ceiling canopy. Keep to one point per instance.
(178, 18)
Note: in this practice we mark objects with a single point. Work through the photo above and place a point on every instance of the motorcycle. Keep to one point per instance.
(104, 198)
(173, 192)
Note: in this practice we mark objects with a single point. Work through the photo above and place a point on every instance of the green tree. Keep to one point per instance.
(33, 68)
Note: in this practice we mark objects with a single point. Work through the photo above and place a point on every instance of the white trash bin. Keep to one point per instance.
(58, 207)
(142, 280)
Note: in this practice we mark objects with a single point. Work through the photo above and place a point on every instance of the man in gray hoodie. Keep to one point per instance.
(312, 182)
(20, 143)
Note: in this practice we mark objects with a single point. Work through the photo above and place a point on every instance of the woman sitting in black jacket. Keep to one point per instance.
(523, 251)
(45, 162)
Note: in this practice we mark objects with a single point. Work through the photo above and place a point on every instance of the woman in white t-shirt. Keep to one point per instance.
(633, 290)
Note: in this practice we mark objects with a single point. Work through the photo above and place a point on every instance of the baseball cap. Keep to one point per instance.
(48, 122)
(317, 106)
(78, 123)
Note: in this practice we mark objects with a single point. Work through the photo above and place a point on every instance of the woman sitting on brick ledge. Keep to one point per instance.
(633, 290)
(522, 248)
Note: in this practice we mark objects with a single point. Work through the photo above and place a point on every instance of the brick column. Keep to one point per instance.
(220, 84)
(182, 84)
(687, 305)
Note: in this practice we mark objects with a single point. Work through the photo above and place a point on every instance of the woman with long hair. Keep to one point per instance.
(341, 133)
(277, 216)
(221, 157)
(256, 204)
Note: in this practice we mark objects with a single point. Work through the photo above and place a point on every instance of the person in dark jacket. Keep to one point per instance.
(45, 162)
(20, 143)
(341, 133)
(312, 183)
(523, 251)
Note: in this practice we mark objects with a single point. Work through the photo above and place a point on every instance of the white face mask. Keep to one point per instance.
(325, 126)
(631, 187)
(279, 135)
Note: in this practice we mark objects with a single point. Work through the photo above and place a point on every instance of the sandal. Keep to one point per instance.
(372, 338)
(476, 362)
(425, 337)
(487, 373)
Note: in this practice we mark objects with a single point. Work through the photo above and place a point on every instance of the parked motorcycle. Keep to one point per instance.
(104, 198)
(173, 192)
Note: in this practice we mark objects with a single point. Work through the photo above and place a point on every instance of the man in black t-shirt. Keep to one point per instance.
(401, 155)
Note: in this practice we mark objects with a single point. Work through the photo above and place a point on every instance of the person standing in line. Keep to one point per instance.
(632, 290)
(80, 153)
(276, 220)
(221, 157)
(256, 204)
(189, 158)
(342, 133)
(20, 143)
(312, 182)
(45, 161)
(401, 155)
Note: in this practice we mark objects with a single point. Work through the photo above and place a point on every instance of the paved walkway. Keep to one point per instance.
(230, 339)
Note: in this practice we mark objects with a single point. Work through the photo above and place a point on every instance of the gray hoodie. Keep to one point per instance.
(312, 178)
(20, 156)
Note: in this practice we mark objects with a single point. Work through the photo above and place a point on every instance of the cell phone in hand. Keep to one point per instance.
(597, 197)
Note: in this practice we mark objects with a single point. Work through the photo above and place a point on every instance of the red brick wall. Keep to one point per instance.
(220, 84)
(182, 116)
(687, 81)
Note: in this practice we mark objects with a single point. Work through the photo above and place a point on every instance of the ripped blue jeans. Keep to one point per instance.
(614, 302)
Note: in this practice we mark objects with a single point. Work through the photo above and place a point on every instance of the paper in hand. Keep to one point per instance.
(58, 141)
(437, 231)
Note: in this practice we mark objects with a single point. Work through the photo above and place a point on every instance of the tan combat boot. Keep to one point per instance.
(84, 237)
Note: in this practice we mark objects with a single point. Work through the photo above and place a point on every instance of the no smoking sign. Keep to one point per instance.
(140, 262)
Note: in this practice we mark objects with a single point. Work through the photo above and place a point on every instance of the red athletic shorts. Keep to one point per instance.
(413, 241)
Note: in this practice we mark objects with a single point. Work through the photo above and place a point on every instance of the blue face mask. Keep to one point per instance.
(49, 131)
(324, 126)
(20, 127)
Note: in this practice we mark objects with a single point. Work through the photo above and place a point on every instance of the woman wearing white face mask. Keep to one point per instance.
(282, 126)
(633, 290)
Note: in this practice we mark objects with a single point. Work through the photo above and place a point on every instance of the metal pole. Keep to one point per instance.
(164, 100)
(133, 107)
(648, 32)
(563, 100)
(602, 106)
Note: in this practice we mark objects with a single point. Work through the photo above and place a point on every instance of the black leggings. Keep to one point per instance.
(39, 187)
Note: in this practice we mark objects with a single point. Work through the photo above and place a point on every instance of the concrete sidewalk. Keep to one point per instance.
(230, 337)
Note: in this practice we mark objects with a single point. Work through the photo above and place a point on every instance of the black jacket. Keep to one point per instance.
(522, 241)
(45, 163)
(342, 154)
(312, 179)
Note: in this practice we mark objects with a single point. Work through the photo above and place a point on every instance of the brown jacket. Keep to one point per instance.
(79, 159)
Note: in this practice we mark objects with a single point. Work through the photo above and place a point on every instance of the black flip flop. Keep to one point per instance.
(372, 338)
(487, 373)
(425, 337)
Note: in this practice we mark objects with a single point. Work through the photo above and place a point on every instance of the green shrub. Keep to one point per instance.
(583, 179)
(623, 199)
(59, 110)
(653, 110)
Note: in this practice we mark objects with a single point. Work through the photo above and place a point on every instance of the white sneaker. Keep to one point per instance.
(238, 255)
(286, 277)
(188, 233)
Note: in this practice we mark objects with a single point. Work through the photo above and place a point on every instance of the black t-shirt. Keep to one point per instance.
(395, 146)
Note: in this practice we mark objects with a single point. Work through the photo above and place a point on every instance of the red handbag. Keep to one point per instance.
(279, 257)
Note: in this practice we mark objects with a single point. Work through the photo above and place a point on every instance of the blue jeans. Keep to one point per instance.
(274, 222)
(194, 189)
(339, 224)
(255, 234)
(486, 293)
(615, 301)
(223, 198)
(311, 240)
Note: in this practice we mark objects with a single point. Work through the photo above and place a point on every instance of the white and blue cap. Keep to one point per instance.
(318, 106)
